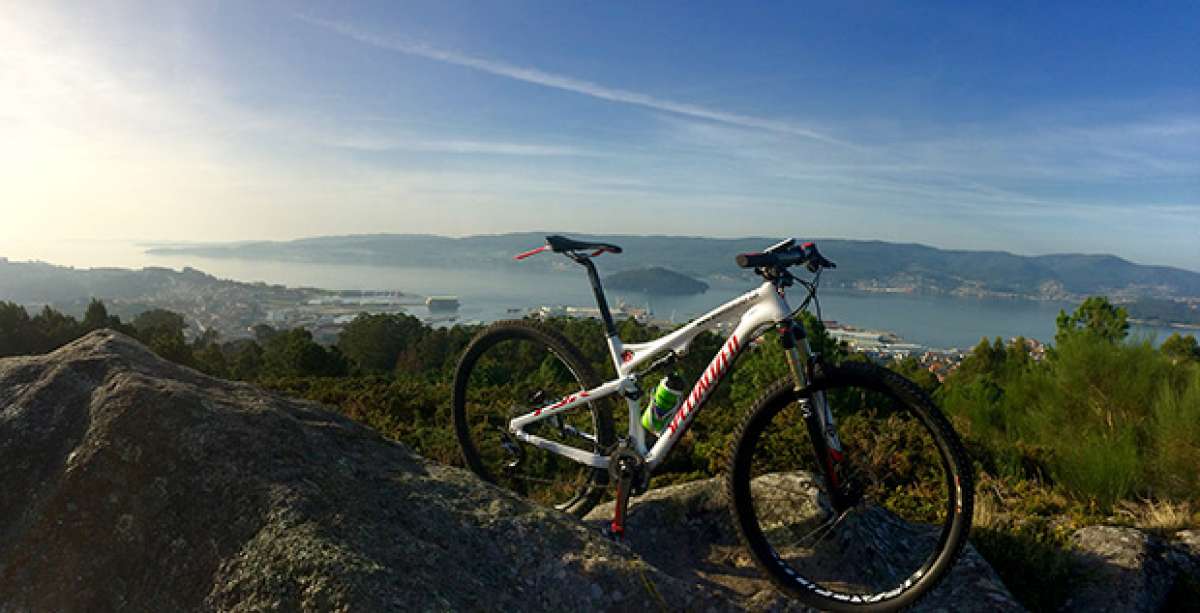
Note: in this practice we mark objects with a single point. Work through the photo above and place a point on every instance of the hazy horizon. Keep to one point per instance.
(1036, 130)
(131, 253)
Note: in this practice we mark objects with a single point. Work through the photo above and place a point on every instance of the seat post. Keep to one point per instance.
(609, 328)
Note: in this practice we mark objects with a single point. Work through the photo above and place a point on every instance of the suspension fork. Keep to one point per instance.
(822, 429)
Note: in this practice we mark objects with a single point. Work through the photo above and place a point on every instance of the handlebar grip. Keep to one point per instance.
(756, 260)
(806, 254)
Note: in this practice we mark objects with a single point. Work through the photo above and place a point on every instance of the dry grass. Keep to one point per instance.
(1163, 517)
(989, 511)
(1002, 503)
(1019, 528)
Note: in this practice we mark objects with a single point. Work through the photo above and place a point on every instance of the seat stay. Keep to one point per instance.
(569, 403)
(587, 458)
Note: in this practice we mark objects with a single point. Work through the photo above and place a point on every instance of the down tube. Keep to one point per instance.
(708, 381)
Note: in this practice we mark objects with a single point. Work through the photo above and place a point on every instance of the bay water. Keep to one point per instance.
(487, 294)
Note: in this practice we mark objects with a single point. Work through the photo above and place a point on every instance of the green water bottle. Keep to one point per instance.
(663, 403)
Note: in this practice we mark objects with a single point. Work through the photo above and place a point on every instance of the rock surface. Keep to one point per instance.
(1185, 554)
(686, 531)
(1123, 569)
(130, 483)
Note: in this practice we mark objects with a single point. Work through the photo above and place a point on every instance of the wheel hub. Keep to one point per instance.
(512, 448)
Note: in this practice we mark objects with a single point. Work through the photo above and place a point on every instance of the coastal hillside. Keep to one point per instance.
(206, 300)
(865, 265)
(38, 282)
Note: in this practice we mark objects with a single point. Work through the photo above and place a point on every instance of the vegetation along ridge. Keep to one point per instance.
(1100, 429)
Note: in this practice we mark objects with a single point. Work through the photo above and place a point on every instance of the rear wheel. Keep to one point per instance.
(510, 369)
(896, 520)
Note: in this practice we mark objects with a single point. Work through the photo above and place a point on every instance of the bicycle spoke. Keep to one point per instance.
(892, 485)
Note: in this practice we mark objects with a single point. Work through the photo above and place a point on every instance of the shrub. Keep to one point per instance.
(1107, 419)
(1175, 458)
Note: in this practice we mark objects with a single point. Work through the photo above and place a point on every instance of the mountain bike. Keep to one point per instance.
(849, 487)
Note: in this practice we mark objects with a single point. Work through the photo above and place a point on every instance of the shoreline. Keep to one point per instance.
(1164, 324)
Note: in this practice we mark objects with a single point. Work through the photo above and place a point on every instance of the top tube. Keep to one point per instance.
(635, 355)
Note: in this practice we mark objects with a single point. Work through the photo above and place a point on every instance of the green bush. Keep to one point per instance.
(1175, 430)
(1103, 466)
(1107, 418)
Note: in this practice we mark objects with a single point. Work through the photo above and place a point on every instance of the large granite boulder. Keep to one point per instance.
(128, 483)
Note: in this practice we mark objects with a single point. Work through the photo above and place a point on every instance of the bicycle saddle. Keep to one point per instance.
(558, 244)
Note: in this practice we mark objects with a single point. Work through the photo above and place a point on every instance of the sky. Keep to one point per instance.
(1025, 127)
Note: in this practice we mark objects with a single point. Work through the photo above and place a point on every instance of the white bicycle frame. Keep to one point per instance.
(754, 310)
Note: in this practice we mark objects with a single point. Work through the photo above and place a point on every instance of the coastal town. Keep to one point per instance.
(234, 309)
(325, 315)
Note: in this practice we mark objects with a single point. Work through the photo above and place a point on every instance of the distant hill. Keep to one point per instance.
(209, 302)
(37, 282)
(863, 265)
(655, 280)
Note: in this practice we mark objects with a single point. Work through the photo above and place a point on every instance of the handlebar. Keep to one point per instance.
(785, 255)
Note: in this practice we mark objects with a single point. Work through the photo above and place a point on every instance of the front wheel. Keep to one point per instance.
(899, 510)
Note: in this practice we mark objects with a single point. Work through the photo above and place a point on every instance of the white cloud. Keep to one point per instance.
(344, 138)
(98, 145)
(571, 84)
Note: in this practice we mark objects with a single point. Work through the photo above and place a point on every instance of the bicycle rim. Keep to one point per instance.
(905, 523)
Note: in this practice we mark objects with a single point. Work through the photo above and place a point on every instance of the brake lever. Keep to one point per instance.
(816, 261)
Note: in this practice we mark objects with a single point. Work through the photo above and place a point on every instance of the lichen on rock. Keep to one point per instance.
(131, 483)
